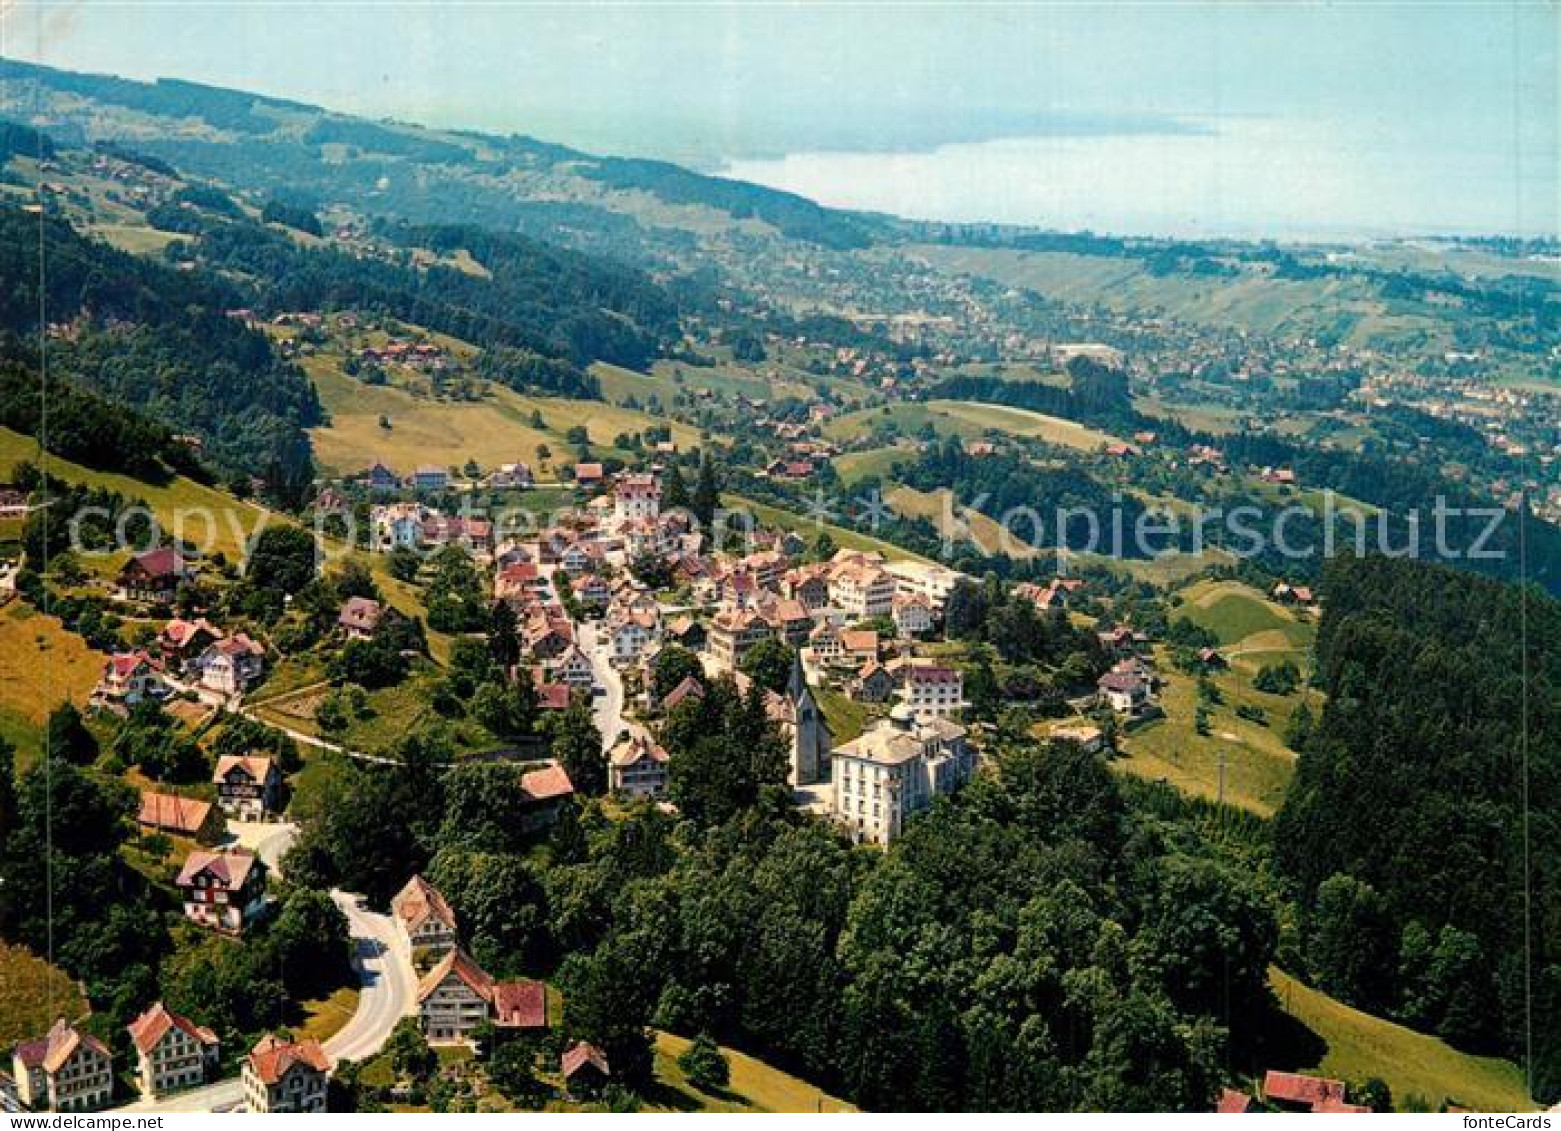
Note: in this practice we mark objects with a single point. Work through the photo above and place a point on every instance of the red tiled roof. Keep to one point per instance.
(581, 1054)
(546, 784)
(1233, 1102)
(149, 1029)
(230, 869)
(1297, 1088)
(520, 1005)
(456, 961)
(273, 1058)
(420, 901)
(257, 768)
(183, 815)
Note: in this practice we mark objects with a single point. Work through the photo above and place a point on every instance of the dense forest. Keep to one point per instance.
(537, 298)
(1403, 833)
(159, 340)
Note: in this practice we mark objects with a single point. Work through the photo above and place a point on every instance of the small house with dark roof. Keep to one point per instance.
(153, 577)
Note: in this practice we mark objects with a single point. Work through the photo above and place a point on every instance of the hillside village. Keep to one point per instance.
(578, 653)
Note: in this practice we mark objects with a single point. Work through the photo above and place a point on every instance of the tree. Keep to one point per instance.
(707, 493)
(577, 745)
(672, 665)
(410, 1056)
(705, 1065)
(725, 752)
(503, 636)
(769, 663)
(674, 492)
(512, 1070)
(1351, 943)
(403, 564)
(68, 737)
(1299, 727)
(313, 944)
(965, 610)
(282, 559)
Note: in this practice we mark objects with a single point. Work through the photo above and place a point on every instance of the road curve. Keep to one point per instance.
(388, 985)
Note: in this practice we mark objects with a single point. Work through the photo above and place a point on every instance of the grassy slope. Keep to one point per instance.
(40, 665)
(755, 1086)
(1360, 1045)
(447, 433)
(32, 995)
(234, 519)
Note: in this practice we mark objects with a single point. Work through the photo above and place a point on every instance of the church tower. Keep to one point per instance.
(811, 742)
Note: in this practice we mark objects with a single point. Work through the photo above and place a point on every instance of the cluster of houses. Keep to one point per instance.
(456, 997)
(68, 1069)
(380, 478)
(219, 667)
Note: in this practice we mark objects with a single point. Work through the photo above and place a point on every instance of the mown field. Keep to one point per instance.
(210, 519)
(424, 430)
(41, 665)
(790, 520)
(968, 420)
(754, 1087)
(1420, 1069)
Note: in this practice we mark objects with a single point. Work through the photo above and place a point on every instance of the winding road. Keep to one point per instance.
(387, 982)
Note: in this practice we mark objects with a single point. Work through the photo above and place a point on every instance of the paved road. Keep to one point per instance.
(389, 986)
(607, 708)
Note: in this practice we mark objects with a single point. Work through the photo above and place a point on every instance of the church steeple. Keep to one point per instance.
(797, 684)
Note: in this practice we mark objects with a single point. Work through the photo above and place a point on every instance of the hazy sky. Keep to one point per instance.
(1466, 91)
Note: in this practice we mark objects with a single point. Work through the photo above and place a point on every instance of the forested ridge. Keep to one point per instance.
(159, 340)
(1403, 830)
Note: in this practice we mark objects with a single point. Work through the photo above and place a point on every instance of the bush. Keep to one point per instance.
(705, 1065)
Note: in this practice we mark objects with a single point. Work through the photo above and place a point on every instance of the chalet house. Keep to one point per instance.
(808, 585)
(230, 665)
(1286, 594)
(589, 474)
(153, 577)
(1125, 692)
(734, 633)
(584, 1069)
(873, 683)
(128, 678)
(688, 633)
(827, 645)
(382, 478)
(933, 690)
(631, 634)
(511, 476)
(549, 639)
(172, 1052)
(543, 793)
(424, 917)
(591, 590)
(430, 478)
(689, 687)
(475, 534)
(248, 786)
(574, 668)
(912, 614)
(200, 821)
(792, 621)
(182, 639)
(859, 645)
(286, 1076)
(454, 998)
(65, 1070)
(223, 890)
(637, 766)
(359, 617)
